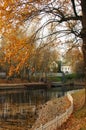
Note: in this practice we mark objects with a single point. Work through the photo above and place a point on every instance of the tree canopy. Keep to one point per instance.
(50, 22)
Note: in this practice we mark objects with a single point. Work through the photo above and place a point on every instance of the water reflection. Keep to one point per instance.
(18, 107)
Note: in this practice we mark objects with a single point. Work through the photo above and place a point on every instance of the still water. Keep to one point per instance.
(18, 106)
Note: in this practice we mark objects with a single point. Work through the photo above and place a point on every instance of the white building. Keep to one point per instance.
(67, 69)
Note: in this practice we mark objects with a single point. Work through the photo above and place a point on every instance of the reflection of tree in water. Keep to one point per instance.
(14, 114)
(59, 66)
(19, 109)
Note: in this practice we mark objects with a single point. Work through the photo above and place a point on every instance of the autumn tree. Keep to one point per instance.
(67, 20)
(57, 15)
(73, 57)
(58, 19)
(43, 59)
(16, 52)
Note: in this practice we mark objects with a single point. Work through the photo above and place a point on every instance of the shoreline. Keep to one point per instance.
(29, 85)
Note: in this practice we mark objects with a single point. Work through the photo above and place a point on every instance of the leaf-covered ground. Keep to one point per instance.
(77, 121)
(49, 110)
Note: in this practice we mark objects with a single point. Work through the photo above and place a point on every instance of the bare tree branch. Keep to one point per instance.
(74, 7)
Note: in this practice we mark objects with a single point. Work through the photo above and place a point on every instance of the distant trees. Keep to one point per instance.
(73, 57)
(43, 59)
(57, 21)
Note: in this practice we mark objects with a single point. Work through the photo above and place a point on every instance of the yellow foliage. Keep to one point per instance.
(17, 53)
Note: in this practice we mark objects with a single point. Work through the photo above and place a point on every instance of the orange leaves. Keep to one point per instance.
(11, 70)
(15, 10)
(17, 52)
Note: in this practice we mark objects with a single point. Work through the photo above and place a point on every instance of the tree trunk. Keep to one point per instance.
(84, 54)
(83, 35)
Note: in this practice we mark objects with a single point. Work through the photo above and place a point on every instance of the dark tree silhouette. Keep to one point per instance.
(70, 13)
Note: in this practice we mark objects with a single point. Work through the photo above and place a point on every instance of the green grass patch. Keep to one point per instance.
(74, 76)
(54, 79)
(70, 76)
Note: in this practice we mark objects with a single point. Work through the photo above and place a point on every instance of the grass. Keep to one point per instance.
(83, 128)
(77, 121)
(78, 98)
(80, 113)
(54, 79)
(80, 108)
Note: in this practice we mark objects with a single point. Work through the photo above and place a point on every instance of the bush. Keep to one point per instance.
(80, 75)
(70, 76)
(54, 79)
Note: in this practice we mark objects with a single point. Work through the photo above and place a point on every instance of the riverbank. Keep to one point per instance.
(44, 113)
(77, 121)
(50, 110)
(14, 80)
(18, 83)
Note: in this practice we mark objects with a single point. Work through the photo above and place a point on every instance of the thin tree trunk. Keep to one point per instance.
(83, 35)
(84, 54)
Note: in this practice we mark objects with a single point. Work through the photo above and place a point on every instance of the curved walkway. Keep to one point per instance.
(60, 111)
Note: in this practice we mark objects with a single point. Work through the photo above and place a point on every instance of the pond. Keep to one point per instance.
(18, 106)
